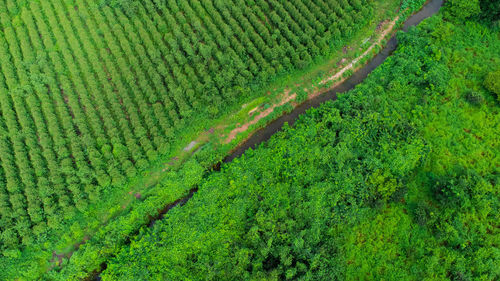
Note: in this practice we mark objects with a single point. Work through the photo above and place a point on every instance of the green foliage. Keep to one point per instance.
(396, 180)
(490, 10)
(474, 98)
(384, 182)
(492, 82)
(460, 10)
(92, 93)
(412, 4)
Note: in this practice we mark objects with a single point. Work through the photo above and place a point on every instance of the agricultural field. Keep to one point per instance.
(115, 116)
(95, 92)
(398, 179)
(92, 93)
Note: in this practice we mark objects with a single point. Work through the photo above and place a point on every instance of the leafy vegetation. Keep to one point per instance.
(492, 82)
(461, 10)
(486, 10)
(93, 92)
(396, 180)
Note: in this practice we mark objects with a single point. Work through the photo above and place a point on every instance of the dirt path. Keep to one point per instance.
(287, 98)
(350, 66)
(57, 259)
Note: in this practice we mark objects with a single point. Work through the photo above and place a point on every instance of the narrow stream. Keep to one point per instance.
(262, 135)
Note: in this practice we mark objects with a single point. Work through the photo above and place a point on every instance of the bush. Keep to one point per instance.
(474, 98)
(459, 10)
(492, 82)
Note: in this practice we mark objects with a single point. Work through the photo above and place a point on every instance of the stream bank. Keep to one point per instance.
(265, 133)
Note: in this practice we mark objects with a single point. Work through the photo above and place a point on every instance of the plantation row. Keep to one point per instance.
(90, 93)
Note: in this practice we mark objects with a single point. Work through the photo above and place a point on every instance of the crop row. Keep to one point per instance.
(90, 93)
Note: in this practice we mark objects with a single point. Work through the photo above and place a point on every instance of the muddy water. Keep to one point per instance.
(265, 133)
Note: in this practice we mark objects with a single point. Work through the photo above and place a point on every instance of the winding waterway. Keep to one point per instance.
(263, 134)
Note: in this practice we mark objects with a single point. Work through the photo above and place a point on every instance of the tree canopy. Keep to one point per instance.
(396, 180)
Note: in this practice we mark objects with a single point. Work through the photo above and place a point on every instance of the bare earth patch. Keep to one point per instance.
(354, 61)
(287, 98)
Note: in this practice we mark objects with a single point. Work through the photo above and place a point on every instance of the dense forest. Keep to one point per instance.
(396, 180)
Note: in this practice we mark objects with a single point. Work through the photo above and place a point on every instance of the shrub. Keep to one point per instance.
(492, 82)
(474, 98)
(459, 10)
